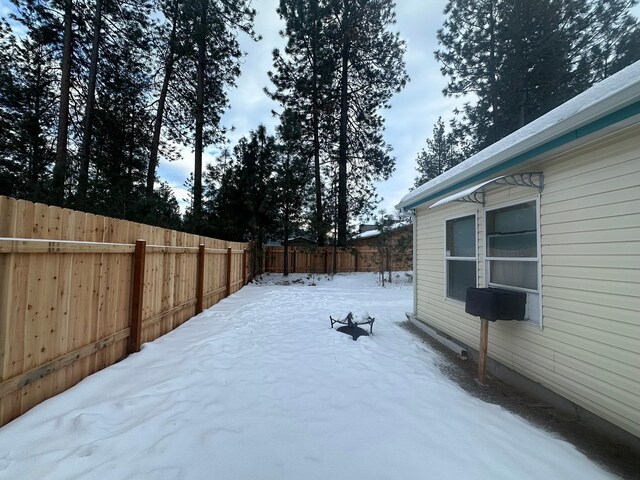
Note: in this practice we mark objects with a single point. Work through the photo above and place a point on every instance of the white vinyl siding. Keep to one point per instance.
(589, 348)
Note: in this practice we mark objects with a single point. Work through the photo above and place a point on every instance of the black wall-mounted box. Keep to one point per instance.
(495, 303)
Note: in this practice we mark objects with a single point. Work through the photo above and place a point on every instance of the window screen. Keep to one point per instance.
(512, 246)
(460, 256)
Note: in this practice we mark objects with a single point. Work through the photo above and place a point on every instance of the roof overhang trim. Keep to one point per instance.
(476, 194)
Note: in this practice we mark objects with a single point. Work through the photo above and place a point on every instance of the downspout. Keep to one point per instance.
(414, 221)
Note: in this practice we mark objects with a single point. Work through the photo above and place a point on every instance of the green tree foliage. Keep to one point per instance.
(215, 64)
(242, 207)
(372, 69)
(341, 67)
(255, 194)
(77, 106)
(200, 59)
(303, 81)
(121, 137)
(292, 175)
(168, 49)
(441, 153)
(517, 60)
(28, 111)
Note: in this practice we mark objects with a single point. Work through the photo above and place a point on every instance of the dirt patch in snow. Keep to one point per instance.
(618, 459)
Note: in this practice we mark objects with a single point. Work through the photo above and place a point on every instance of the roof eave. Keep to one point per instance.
(622, 105)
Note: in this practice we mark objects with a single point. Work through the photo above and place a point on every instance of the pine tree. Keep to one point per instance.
(614, 36)
(85, 149)
(121, 136)
(303, 76)
(292, 175)
(442, 153)
(28, 109)
(243, 207)
(10, 166)
(371, 70)
(520, 59)
(211, 56)
(342, 66)
(60, 169)
(169, 49)
(470, 60)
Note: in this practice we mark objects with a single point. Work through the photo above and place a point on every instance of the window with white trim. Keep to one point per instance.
(460, 256)
(513, 252)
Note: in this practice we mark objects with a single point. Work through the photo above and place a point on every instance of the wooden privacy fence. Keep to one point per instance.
(320, 260)
(78, 292)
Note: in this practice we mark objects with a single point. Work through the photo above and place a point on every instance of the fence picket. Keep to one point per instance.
(66, 296)
(310, 260)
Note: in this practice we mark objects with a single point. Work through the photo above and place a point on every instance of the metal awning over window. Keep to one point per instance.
(476, 194)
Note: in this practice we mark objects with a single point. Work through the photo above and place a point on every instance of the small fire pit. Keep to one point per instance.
(351, 325)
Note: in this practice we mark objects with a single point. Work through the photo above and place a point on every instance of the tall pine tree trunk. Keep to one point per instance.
(316, 127)
(157, 124)
(60, 166)
(36, 160)
(342, 152)
(202, 61)
(493, 73)
(316, 171)
(85, 150)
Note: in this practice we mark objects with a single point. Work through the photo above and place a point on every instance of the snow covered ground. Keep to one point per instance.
(259, 387)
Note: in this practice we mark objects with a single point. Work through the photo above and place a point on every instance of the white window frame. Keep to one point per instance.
(474, 259)
(532, 295)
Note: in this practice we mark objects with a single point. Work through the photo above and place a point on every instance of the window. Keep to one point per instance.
(460, 256)
(512, 246)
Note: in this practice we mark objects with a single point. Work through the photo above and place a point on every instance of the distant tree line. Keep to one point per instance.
(515, 60)
(94, 94)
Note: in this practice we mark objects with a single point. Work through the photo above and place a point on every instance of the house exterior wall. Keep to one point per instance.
(588, 347)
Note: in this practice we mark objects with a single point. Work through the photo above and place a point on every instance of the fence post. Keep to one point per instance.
(228, 291)
(137, 292)
(200, 280)
(356, 254)
(326, 266)
(244, 267)
(293, 253)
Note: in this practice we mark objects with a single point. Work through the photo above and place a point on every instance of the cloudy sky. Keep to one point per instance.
(408, 123)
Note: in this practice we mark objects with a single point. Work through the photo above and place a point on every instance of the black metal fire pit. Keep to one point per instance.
(351, 326)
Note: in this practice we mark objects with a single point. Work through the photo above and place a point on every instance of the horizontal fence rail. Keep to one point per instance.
(78, 292)
(321, 260)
